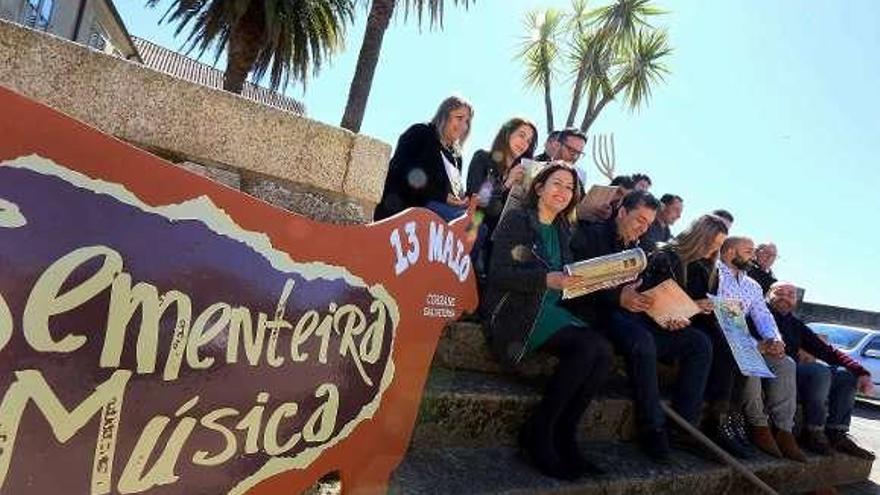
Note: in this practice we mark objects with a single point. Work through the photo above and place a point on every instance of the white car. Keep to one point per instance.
(861, 344)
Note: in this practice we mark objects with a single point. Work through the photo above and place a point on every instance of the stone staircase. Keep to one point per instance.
(465, 438)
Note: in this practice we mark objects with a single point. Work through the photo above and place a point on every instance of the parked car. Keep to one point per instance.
(861, 344)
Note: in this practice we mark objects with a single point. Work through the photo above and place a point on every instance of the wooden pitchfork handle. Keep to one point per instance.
(709, 444)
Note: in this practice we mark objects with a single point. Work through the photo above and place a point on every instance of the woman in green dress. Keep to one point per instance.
(522, 315)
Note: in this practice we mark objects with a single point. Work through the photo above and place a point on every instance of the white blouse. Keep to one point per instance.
(454, 175)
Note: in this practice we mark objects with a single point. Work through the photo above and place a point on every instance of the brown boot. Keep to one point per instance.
(763, 439)
(789, 447)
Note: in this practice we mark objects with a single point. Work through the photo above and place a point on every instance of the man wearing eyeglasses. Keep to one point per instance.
(572, 142)
(566, 145)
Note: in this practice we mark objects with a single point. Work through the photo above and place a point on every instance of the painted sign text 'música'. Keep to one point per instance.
(344, 330)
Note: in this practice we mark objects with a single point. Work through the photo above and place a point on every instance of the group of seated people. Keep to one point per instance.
(521, 255)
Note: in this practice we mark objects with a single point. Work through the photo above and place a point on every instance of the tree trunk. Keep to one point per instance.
(359, 90)
(591, 110)
(245, 42)
(576, 95)
(593, 113)
(548, 103)
(590, 117)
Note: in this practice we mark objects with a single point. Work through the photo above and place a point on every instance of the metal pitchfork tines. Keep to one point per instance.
(603, 154)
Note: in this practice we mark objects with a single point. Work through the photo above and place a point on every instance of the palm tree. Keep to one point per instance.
(286, 38)
(539, 50)
(378, 19)
(641, 68)
(609, 51)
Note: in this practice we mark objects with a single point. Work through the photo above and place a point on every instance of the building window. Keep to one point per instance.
(38, 13)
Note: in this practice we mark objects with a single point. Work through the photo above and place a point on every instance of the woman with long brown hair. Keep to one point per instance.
(522, 314)
(496, 171)
(426, 167)
(689, 259)
(493, 173)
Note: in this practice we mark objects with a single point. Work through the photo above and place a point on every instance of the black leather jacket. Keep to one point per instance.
(517, 282)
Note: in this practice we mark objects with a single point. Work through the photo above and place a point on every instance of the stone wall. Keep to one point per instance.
(302, 165)
(810, 312)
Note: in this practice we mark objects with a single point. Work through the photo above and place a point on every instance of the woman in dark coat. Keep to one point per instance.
(493, 173)
(425, 170)
(522, 315)
(690, 259)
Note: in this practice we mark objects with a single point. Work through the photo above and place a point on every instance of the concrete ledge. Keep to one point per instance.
(192, 122)
(813, 312)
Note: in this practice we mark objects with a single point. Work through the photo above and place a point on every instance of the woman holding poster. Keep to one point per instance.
(689, 259)
(522, 315)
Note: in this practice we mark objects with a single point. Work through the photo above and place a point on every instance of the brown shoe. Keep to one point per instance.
(789, 447)
(763, 439)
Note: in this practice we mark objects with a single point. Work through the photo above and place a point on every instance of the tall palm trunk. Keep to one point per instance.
(548, 102)
(245, 42)
(592, 112)
(576, 95)
(359, 90)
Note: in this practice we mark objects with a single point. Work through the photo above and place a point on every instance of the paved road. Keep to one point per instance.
(865, 429)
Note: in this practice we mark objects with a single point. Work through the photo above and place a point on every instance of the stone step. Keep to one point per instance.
(502, 470)
(469, 409)
(463, 346)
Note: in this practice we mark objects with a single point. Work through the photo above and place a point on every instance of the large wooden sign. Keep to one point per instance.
(160, 333)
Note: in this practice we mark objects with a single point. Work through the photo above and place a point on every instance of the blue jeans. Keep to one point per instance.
(449, 213)
(828, 395)
(445, 210)
(642, 343)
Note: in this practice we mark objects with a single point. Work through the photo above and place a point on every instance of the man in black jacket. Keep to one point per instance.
(633, 335)
(551, 147)
(566, 145)
(671, 206)
(827, 390)
(761, 270)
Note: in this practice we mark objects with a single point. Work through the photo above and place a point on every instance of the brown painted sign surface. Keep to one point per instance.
(160, 333)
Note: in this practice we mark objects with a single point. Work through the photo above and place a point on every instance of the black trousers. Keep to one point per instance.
(585, 358)
(723, 371)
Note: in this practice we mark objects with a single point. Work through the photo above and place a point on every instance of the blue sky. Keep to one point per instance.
(769, 111)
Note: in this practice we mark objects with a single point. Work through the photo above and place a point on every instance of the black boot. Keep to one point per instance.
(655, 444)
(536, 441)
(682, 440)
(738, 422)
(572, 454)
(725, 435)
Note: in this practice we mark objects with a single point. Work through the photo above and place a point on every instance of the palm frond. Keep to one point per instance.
(644, 66)
(624, 18)
(432, 9)
(295, 37)
(540, 47)
(579, 18)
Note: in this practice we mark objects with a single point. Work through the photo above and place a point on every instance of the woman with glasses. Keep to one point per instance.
(426, 167)
(522, 315)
